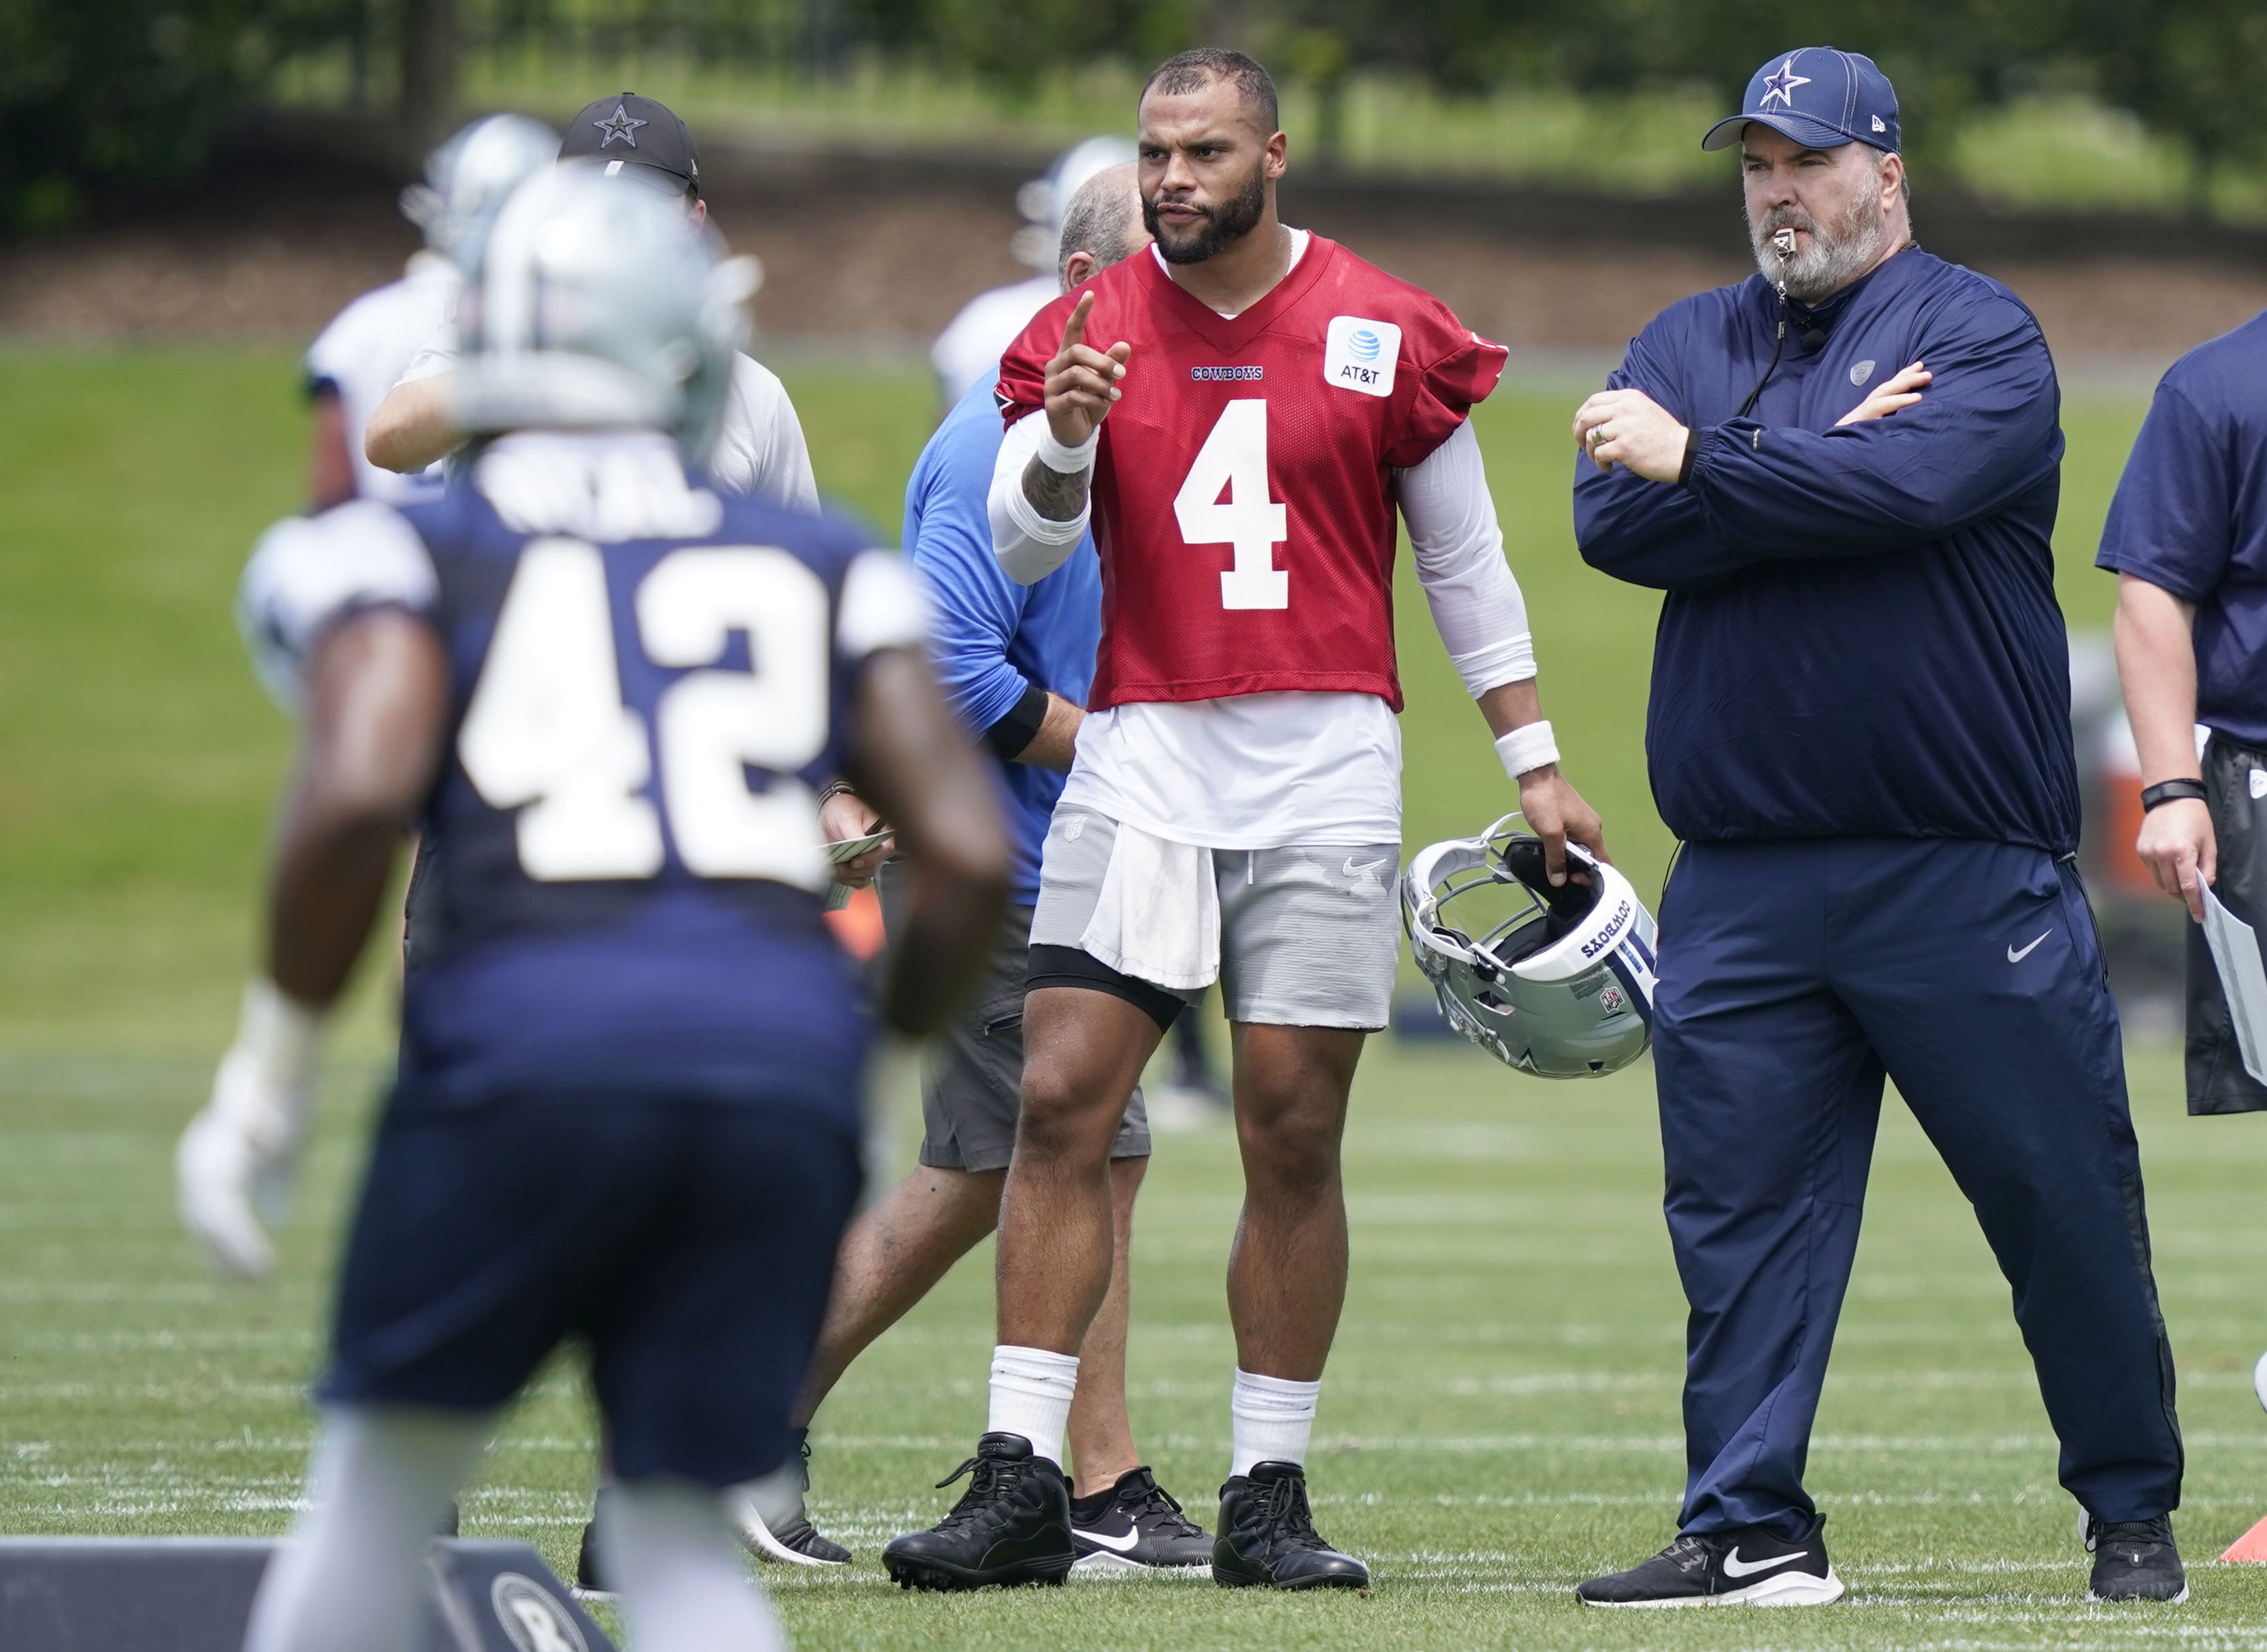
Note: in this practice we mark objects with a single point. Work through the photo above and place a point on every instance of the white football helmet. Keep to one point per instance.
(597, 304)
(1044, 201)
(467, 178)
(1555, 982)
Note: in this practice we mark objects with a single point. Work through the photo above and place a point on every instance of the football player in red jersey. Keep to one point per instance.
(1233, 808)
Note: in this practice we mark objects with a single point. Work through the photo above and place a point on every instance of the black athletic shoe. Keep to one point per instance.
(588, 1584)
(1744, 1567)
(789, 1538)
(1136, 1526)
(2133, 1560)
(1012, 1525)
(1268, 1536)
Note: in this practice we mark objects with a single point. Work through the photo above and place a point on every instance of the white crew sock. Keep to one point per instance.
(352, 1576)
(1271, 1418)
(664, 1546)
(1031, 1391)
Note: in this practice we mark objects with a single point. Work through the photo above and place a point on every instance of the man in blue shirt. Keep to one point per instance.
(1844, 472)
(2186, 537)
(1014, 663)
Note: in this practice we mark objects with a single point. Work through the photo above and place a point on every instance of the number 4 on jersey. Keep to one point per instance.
(1234, 461)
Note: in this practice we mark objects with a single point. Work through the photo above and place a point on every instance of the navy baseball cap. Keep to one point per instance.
(1821, 98)
(643, 134)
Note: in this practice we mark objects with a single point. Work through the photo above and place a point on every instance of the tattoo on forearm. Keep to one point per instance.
(1057, 497)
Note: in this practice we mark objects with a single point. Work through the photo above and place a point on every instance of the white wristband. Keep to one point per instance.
(1528, 748)
(282, 1035)
(1068, 461)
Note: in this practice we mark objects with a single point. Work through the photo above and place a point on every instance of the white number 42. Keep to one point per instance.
(1234, 460)
(546, 731)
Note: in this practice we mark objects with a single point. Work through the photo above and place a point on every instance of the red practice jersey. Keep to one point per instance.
(1242, 493)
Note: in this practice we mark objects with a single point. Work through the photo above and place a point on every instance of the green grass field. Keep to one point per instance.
(1500, 1419)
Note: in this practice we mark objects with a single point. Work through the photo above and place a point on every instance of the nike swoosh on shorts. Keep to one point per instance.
(2017, 957)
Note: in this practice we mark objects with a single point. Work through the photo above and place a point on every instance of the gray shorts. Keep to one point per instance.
(1310, 936)
(973, 1071)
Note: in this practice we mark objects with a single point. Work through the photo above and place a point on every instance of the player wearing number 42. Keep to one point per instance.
(1253, 404)
(626, 1110)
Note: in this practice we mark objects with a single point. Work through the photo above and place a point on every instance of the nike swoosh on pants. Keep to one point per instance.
(2017, 957)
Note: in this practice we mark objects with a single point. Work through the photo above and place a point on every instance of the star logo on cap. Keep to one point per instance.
(1782, 86)
(621, 124)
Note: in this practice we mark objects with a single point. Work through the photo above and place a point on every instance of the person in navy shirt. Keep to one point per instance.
(625, 1111)
(1843, 473)
(1014, 663)
(2186, 537)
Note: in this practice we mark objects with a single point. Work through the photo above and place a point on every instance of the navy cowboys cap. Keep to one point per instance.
(1821, 98)
(646, 136)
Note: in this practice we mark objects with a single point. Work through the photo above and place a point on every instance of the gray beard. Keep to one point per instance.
(1835, 257)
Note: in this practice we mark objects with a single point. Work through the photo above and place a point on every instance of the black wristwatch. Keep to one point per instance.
(2166, 790)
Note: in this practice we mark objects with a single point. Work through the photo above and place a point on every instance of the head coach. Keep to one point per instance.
(1843, 472)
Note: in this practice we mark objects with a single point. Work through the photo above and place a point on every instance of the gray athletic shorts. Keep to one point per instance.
(973, 1071)
(1310, 936)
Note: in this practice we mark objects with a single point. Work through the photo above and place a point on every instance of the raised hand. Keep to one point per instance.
(1889, 397)
(1082, 381)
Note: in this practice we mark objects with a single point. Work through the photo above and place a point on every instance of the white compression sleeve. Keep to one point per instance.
(1029, 546)
(352, 1575)
(666, 1546)
(1476, 602)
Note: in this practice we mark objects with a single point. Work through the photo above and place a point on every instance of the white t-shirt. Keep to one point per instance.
(365, 350)
(760, 451)
(968, 352)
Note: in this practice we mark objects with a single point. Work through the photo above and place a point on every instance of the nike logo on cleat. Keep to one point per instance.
(2017, 957)
(1734, 1567)
(1124, 1545)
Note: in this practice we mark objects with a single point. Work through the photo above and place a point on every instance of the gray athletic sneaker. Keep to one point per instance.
(768, 1514)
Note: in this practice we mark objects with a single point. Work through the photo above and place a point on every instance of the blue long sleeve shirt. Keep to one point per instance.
(993, 638)
(1860, 636)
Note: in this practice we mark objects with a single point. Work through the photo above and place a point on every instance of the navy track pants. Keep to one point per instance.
(1794, 974)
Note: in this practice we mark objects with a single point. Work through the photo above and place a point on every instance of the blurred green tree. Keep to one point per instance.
(97, 91)
(2194, 69)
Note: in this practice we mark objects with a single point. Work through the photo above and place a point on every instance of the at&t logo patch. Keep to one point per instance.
(1360, 354)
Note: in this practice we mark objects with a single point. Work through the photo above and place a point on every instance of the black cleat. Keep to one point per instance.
(1744, 1567)
(787, 1537)
(2133, 1560)
(1136, 1526)
(1268, 1536)
(588, 1584)
(1012, 1525)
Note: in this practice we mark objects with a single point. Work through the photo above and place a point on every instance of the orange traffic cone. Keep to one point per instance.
(2252, 1546)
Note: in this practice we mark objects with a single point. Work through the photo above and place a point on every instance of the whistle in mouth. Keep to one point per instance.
(1783, 242)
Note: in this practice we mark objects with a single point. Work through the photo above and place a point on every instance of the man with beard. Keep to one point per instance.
(1234, 808)
(1860, 729)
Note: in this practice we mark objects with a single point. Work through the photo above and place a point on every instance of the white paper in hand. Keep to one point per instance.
(848, 849)
(2242, 980)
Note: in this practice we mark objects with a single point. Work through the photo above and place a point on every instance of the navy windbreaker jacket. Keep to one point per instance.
(1860, 636)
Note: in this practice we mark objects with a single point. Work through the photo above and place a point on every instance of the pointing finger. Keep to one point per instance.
(1075, 329)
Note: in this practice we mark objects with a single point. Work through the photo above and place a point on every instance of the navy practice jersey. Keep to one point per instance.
(620, 870)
